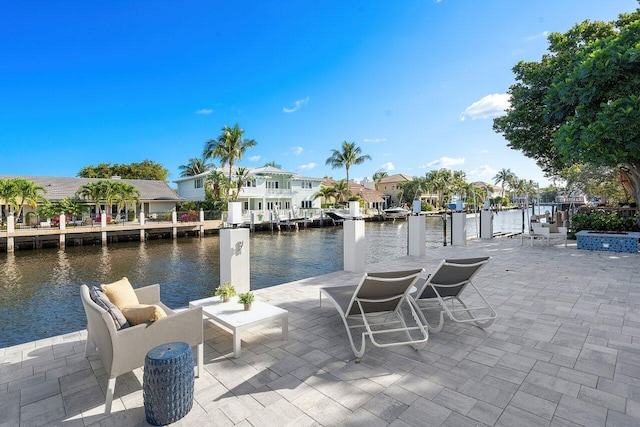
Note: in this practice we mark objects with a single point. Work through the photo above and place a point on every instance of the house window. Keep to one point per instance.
(307, 204)
(197, 183)
(287, 205)
(272, 184)
(270, 206)
(249, 184)
(306, 185)
(246, 206)
(260, 206)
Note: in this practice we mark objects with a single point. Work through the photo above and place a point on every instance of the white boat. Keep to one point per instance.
(396, 212)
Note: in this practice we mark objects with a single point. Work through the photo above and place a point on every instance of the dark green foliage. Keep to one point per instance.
(603, 222)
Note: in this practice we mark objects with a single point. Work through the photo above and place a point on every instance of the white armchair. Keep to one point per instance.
(123, 350)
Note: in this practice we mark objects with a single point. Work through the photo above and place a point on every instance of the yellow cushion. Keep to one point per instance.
(121, 293)
(142, 313)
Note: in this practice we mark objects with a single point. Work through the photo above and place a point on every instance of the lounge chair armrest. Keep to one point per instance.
(149, 294)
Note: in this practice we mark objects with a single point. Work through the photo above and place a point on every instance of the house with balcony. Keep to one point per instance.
(267, 189)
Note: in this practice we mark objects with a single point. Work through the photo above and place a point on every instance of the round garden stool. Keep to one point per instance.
(168, 383)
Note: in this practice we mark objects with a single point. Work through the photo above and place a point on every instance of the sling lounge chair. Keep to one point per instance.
(375, 304)
(445, 287)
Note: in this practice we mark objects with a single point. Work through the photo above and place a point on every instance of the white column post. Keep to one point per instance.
(459, 229)
(103, 225)
(63, 226)
(11, 228)
(354, 247)
(174, 220)
(142, 239)
(234, 258)
(201, 222)
(417, 236)
(486, 224)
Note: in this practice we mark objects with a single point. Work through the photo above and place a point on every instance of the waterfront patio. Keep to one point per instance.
(564, 351)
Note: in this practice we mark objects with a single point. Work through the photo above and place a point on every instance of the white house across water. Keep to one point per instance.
(267, 189)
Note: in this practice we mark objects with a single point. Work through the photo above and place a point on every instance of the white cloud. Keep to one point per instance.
(375, 140)
(254, 158)
(484, 151)
(445, 162)
(297, 150)
(537, 36)
(483, 171)
(297, 105)
(307, 166)
(387, 167)
(489, 106)
(204, 111)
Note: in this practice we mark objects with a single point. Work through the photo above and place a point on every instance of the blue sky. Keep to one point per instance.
(414, 83)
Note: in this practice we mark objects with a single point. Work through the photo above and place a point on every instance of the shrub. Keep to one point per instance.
(603, 222)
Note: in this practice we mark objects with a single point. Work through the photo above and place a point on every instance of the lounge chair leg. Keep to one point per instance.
(111, 386)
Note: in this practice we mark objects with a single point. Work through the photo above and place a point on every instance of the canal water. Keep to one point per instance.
(39, 290)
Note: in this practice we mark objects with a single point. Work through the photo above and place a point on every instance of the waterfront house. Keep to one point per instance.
(156, 197)
(267, 189)
(391, 187)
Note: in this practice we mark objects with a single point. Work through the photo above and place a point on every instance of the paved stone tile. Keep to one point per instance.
(425, 412)
(602, 398)
(486, 393)
(10, 409)
(455, 401)
(513, 416)
(42, 411)
(557, 384)
(616, 419)
(534, 404)
(385, 407)
(581, 412)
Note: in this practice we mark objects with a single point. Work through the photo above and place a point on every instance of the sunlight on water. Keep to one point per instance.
(39, 290)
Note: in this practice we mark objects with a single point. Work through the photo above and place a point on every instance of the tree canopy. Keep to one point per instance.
(229, 147)
(581, 102)
(350, 155)
(146, 169)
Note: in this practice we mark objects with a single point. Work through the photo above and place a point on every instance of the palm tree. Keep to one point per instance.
(93, 191)
(377, 177)
(215, 184)
(350, 155)
(229, 147)
(195, 166)
(124, 193)
(341, 190)
(242, 176)
(326, 193)
(504, 176)
(26, 192)
(273, 163)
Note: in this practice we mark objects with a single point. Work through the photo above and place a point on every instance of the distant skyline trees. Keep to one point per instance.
(146, 169)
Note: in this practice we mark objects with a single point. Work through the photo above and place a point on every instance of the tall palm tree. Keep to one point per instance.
(215, 184)
(229, 147)
(503, 177)
(350, 155)
(195, 166)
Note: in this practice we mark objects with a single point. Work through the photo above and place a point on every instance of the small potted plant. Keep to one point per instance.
(246, 299)
(225, 291)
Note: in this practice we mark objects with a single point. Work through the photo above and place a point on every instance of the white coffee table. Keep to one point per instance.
(232, 316)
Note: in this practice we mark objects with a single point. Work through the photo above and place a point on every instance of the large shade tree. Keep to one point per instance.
(147, 169)
(581, 102)
(346, 157)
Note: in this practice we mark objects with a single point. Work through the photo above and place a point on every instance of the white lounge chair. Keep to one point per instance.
(375, 304)
(445, 287)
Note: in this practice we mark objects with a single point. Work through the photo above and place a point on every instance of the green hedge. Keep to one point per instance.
(603, 222)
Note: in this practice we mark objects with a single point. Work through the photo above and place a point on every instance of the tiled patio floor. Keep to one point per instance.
(565, 351)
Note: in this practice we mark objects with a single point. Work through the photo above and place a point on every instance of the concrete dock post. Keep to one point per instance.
(417, 236)
(354, 247)
(11, 228)
(234, 252)
(142, 235)
(103, 225)
(459, 229)
(63, 227)
(174, 221)
(201, 218)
